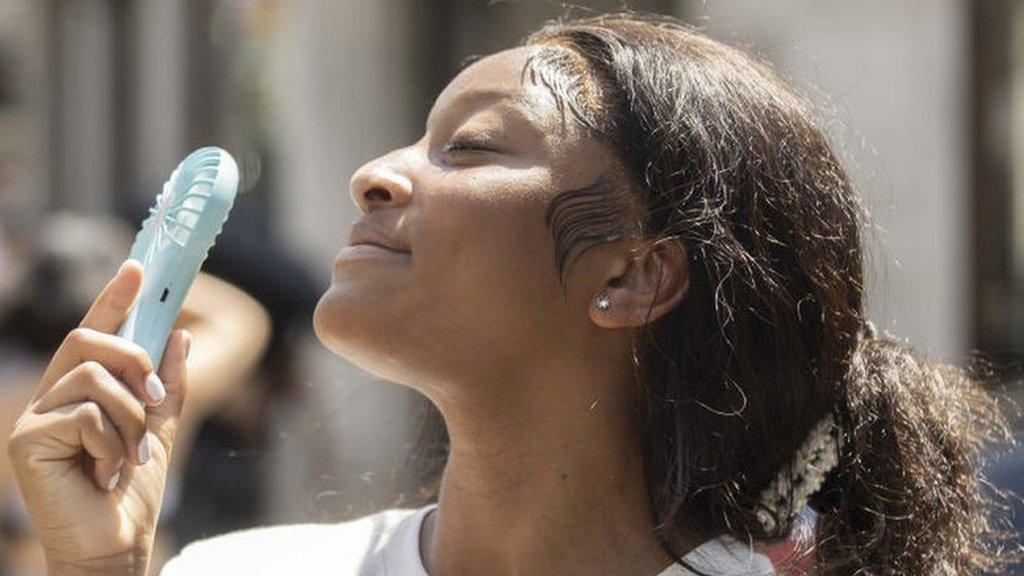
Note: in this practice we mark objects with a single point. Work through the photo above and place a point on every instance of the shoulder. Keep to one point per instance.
(346, 549)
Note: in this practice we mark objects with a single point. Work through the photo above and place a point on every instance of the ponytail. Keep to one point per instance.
(907, 495)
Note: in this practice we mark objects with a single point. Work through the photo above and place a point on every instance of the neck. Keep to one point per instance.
(546, 481)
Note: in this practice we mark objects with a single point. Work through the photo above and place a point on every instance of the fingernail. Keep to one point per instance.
(144, 449)
(155, 388)
(113, 481)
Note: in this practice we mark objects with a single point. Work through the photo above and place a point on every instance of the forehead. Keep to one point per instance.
(500, 77)
(501, 71)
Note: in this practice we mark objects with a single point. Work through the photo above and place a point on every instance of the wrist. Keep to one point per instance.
(133, 563)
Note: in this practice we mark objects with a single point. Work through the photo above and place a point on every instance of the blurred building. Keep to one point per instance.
(100, 98)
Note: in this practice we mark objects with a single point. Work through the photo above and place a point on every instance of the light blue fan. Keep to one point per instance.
(174, 242)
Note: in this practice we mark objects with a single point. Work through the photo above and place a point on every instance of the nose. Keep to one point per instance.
(380, 183)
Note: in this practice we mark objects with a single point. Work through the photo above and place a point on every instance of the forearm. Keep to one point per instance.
(230, 331)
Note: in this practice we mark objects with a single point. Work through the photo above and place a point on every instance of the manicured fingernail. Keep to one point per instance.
(155, 388)
(144, 449)
(113, 481)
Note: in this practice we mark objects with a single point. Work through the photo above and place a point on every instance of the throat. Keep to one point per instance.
(586, 516)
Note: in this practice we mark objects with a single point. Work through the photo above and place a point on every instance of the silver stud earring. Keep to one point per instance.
(604, 302)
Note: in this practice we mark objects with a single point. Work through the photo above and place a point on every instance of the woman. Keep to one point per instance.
(625, 266)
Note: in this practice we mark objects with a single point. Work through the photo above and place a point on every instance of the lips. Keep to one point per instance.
(363, 233)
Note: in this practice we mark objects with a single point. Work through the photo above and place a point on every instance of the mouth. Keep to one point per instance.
(363, 234)
(356, 257)
(370, 247)
(373, 247)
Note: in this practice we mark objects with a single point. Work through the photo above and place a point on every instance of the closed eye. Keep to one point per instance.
(468, 145)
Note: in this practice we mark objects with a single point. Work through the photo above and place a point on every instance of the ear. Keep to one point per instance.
(643, 285)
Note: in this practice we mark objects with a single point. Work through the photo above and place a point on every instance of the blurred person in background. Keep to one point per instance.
(625, 266)
(225, 481)
(66, 259)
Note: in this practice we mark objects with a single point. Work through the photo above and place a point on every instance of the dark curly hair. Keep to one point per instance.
(770, 339)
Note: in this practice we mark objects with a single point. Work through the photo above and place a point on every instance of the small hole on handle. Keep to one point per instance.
(163, 297)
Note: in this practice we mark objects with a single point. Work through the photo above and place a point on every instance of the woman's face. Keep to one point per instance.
(474, 293)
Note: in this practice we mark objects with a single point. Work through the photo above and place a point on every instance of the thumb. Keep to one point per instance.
(162, 419)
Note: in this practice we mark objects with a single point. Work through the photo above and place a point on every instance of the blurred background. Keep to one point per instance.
(99, 100)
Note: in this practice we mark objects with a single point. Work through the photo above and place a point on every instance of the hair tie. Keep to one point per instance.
(781, 501)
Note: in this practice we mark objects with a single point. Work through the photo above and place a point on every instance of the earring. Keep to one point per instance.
(604, 302)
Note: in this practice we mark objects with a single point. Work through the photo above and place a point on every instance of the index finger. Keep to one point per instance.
(110, 308)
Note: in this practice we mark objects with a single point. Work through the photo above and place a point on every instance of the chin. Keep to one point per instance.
(360, 332)
(339, 322)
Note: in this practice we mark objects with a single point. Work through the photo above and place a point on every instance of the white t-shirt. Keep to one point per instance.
(386, 544)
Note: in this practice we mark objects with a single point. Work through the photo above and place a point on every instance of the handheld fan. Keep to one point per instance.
(174, 241)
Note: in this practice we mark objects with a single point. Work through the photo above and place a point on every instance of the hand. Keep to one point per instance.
(91, 449)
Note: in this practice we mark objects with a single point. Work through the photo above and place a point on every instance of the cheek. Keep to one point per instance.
(491, 259)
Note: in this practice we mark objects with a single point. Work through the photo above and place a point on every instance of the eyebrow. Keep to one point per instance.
(480, 97)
